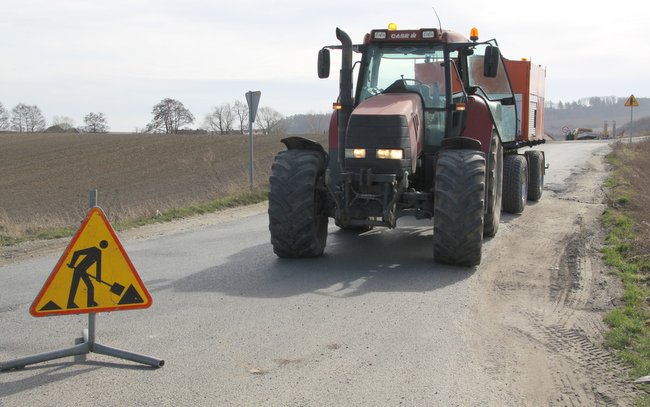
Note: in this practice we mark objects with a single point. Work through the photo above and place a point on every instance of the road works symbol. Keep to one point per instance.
(632, 102)
(96, 258)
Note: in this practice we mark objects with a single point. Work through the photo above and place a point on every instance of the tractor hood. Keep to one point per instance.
(386, 121)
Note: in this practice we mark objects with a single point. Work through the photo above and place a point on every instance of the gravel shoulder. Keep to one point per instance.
(537, 321)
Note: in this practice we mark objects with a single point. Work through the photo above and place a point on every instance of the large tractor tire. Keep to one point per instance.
(298, 204)
(494, 188)
(459, 207)
(536, 168)
(515, 183)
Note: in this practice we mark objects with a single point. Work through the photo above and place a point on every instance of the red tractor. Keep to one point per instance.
(431, 130)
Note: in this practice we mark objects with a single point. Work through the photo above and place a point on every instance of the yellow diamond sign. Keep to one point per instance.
(94, 275)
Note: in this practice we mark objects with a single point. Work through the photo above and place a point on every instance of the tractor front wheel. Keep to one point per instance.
(459, 207)
(298, 204)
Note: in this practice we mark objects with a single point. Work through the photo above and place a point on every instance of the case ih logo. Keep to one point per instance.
(403, 36)
(399, 36)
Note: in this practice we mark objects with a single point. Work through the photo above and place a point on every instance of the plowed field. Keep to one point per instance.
(46, 177)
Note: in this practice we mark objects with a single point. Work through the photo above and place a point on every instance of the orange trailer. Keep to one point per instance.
(527, 80)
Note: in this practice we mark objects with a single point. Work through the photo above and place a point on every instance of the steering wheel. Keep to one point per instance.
(416, 82)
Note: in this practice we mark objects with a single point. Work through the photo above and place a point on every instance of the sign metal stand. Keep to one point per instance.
(631, 102)
(87, 344)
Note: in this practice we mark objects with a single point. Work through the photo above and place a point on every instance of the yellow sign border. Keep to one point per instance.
(147, 300)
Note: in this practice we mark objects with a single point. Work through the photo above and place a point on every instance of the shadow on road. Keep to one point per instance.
(50, 373)
(398, 260)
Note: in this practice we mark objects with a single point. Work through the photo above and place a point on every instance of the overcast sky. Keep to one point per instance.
(71, 57)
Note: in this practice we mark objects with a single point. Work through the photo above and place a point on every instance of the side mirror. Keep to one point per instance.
(491, 61)
(324, 63)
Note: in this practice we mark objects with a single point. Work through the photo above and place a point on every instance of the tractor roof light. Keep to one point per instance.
(392, 27)
(429, 34)
(473, 34)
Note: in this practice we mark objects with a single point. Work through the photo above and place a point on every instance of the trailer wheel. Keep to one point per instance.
(515, 183)
(298, 204)
(536, 166)
(459, 207)
(494, 188)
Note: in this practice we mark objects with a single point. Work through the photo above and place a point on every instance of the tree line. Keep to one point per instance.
(30, 119)
(170, 116)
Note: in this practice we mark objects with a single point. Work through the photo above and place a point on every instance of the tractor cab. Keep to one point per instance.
(445, 70)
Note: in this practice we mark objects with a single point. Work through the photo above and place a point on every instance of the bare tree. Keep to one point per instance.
(240, 110)
(220, 120)
(18, 117)
(96, 123)
(270, 120)
(26, 118)
(65, 123)
(4, 117)
(168, 116)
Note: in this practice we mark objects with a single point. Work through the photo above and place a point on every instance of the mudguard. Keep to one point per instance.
(300, 143)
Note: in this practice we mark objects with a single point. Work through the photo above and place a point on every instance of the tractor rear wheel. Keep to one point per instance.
(494, 188)
(515, 183)
(536, 169)
(459, 207)
(298, 204)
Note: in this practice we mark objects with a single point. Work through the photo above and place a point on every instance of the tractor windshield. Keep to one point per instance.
(415, 69)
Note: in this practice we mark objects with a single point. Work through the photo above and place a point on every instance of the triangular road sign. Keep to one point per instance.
(93, 275)
(253, 100)
(631, 102)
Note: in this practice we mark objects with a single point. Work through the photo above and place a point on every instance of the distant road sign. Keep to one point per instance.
(253, 100)
(565, 129)
(631, 102)
(93, 275)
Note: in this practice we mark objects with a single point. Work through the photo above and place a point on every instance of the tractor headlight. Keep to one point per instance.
(355, 153)
(390, 154)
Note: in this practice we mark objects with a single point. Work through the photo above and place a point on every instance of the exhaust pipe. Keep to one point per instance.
(345, 91)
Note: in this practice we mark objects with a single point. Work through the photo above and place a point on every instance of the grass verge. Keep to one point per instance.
(627, 222)
(629, 334)
(231, 201)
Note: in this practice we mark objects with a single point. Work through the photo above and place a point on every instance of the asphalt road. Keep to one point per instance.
(373, 322)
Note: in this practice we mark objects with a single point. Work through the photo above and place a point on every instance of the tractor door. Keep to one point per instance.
(488, 78)
(441, 75)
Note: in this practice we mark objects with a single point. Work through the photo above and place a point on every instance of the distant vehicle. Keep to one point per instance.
(581, 133)
(433, 130)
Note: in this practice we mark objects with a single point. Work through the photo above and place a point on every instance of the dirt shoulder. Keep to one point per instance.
(538, 319)
(38, 248)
